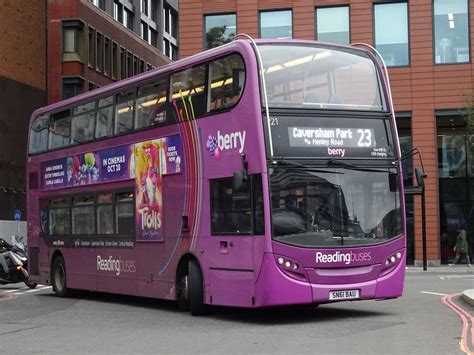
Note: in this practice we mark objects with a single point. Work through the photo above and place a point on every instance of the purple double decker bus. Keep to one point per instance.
(255, 174)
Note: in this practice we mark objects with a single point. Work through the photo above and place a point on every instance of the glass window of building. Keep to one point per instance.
(219, 29)
(451, 31)
(392, 45)
(456, 181)
(276, 24)
(332, 24)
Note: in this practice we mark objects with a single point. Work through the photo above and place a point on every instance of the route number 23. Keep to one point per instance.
(365, 138)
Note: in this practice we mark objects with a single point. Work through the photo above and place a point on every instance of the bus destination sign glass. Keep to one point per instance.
(331, 137)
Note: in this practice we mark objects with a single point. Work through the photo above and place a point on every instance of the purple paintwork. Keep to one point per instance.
(238, 270)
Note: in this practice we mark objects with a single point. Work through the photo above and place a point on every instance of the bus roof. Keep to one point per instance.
(242, 44)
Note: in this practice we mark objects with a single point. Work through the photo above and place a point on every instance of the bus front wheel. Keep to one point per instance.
(196, 289)
(58, 277)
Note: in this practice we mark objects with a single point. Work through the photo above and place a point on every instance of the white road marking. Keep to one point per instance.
(38, 289)
(15, 290)
(434, 293)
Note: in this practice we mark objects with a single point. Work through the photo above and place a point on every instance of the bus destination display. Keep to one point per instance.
(346, 137)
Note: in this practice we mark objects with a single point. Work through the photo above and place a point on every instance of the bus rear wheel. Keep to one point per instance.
(196, 289)
(58, 277)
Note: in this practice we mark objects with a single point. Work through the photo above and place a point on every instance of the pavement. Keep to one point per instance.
(467, 295)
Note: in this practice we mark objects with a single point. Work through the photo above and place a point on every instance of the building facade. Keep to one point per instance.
(92, 43)
(427, 46)
(22, 90)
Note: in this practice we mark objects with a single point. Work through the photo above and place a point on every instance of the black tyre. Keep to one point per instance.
(58, 277)
(31, 284)
(196, 289)
(183, 293)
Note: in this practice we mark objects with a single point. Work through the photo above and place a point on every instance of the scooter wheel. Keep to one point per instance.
(31, 284)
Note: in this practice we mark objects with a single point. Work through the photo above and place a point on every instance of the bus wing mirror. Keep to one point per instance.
(240, 181)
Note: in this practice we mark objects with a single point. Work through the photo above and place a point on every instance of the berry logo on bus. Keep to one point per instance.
(345, 258)
(226, 141)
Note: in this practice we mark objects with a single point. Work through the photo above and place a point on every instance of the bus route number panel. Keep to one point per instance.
(332, 137)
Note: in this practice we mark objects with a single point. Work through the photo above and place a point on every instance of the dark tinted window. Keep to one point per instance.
(237, 210)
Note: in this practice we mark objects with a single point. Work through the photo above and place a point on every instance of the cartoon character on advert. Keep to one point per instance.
(148, 174)
(148, 180)
(92, 172)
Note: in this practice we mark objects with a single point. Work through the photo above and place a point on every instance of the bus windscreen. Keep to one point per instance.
(309, 76)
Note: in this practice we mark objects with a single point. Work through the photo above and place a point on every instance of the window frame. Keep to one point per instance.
(329, 7)
(94, 194)
(204, 32)
(252, 209)
(433, 35)
(408, 29)
(275, 10)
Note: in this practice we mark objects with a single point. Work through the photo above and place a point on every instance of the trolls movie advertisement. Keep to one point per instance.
(145, 162)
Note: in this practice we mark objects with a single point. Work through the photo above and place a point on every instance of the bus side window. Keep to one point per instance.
(105, 118)
(152, 106)
(188, 92)
(124, 112)
(226, 78)
(83, 123)
(59, 130)
(257, 202)
(124, 214)
(230, 210)
(59, 213)
(83, 215)
(39, 134)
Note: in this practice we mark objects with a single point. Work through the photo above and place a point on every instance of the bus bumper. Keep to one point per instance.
(274, 287)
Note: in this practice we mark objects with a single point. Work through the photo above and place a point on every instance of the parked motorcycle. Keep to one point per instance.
(14, 262)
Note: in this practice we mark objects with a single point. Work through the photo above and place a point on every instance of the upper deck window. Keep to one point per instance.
(226, 82)
(152, 104)
(83, 123)
(39, 134)
(59, 130)
(305, 76)
(124, 112)
(187, 91)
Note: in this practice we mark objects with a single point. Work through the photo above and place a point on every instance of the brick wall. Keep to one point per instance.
(23, 41)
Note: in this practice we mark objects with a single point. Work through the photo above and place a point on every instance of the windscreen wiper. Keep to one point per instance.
(299, 166)
(343, 164)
